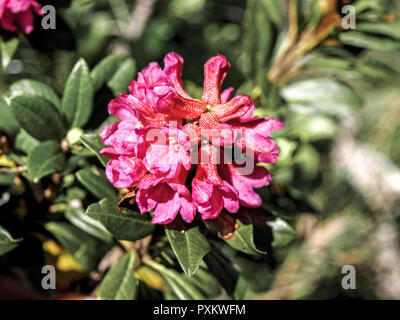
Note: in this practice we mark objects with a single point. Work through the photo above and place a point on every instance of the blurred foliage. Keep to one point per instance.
(334, 198)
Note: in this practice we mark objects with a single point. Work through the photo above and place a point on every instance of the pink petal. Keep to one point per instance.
(215, 71)
(227, 94)
(173, 64)
(121, 135)
(261, 126)
(125, 172)
(255, 138)
(37, 8)
(237, 107)
(123, 107)
(223, 135)
(167, 209)
(16, 6)
(244, 184)
(109, 152)
(173, 104)
(8, 21)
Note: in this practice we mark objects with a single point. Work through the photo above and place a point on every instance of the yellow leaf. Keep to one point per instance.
(151, 278)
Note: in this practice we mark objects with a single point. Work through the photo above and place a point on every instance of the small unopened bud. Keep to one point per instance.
(73, 136)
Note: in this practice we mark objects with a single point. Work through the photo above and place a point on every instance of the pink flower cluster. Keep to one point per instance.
(151, 148)
(18, 15)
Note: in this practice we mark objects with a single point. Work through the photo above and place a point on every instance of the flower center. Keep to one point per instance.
(173, 142)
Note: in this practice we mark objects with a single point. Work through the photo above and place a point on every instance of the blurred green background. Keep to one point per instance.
(337, 182)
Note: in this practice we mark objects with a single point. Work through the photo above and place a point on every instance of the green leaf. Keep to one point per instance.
(35, 88)
(326, 96)
(206, 283)
(89, 225)
(190, 246)
(77, 100)
(384, 28)
(38, 117)
(283, 233)
(126, 225)
(105, 70)
(180, 285)
(7, 120)
(221, 267)
(83, 247)
(45, 159)
(7, 178)
(257, 274)
(96, 182)
(8, 49)
(368, 41)
(7, 242)
(25, 142)
(120, 283)
(258, 42)
(123, 76)
(93, 143)
(243, 239)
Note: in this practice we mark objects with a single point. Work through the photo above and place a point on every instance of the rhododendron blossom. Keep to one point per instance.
(185, 155)
(18, 15)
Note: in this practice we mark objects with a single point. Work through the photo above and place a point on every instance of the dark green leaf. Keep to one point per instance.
(243, 239)
(77, 100)
(283, 233)
(35, 88)
(7, 178)
(7, 242)
(87, 224)
(38, 117)
(190, 246)
(96, 182)
(8, 123)
(105, 70)
(222, 269)
(258, 275)
(258, 40)
(120, 283)
(25, 142)
(206, 283)
(83, 247)
(45, 159)
(127, 225)
(122, 77)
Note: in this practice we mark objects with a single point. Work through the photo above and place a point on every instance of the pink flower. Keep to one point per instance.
(166, 197)
(18, 14)
(161, 127)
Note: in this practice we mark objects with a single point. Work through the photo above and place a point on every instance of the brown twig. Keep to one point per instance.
(15, 169)
(297, 45)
